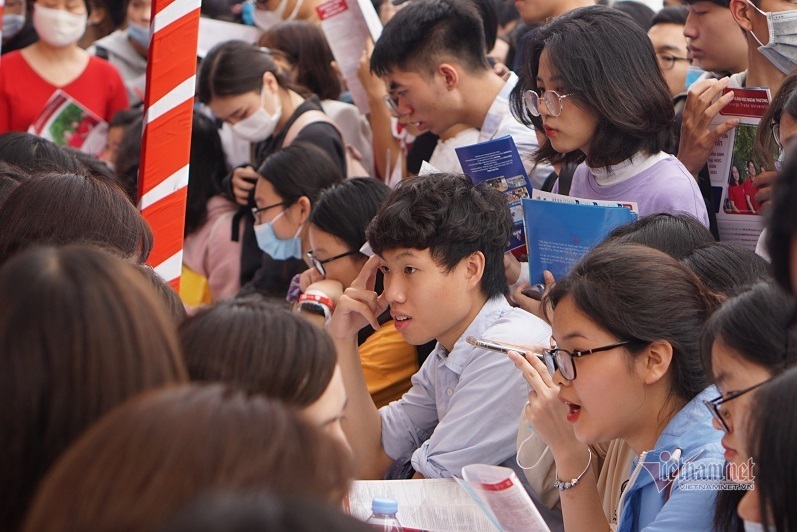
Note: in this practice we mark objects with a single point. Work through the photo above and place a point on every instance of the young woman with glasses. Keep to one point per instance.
(336, 234)
(288, 186)
(592, 83)
(744, 345)
(625, 369)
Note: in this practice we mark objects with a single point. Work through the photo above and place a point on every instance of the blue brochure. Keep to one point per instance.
(497, 164)
(559, 234)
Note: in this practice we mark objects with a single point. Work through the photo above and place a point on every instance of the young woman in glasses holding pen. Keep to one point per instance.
(626, 372)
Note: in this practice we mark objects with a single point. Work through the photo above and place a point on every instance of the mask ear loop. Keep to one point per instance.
(520, 448)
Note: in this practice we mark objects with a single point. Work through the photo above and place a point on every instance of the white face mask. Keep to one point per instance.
(752, 526)
(264, 18)
(781, 50)
(259, 125)
(57, 27)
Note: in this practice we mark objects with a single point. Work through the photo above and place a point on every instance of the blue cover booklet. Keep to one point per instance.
(497, 164)
(559, 234)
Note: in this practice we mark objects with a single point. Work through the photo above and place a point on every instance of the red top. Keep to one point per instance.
(737, 196)
(23, 93)
(750, 190)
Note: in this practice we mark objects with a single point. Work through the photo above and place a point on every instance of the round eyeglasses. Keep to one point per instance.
(553, 101)
(776, 134)
(319, 264)
(562, 359)
(713, 405)
(392, 104)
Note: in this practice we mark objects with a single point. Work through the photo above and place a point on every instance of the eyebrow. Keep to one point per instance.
(667, 48)
(572, 335)
(405, 254)
(394, 85)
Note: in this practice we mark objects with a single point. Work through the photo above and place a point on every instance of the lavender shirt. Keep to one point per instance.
(666, 186)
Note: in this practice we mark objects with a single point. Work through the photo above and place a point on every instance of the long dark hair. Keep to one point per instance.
(771, 437)
(236, 67)
(307, 49)
(607, 62)
(80, 332)
(754, 324)
(208, 168)
(639, 293)
(259, 347)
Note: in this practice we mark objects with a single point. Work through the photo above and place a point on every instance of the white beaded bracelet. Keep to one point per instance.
(561, 486)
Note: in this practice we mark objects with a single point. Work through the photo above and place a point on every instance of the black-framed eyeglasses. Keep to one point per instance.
(713, 405)
(392, 104)
(667, 61)
(562, 359)
(257, 210)
(319, 264)
(552, 99)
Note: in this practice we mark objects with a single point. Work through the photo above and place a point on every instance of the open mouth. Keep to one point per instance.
(573, 410)
(401, 321)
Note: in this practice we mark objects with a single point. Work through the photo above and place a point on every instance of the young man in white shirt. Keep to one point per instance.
(431, 56)
(439, 243)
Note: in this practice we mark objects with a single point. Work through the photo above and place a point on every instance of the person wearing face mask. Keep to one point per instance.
(29, 77)
(18, 29)
(770, 28)
(242, 86)
(126, 49)
(290, 182)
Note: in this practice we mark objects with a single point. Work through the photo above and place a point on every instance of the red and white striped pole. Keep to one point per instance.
(166, 144)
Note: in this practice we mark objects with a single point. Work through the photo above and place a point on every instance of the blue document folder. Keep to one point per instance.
(559, 234)
(497, 164)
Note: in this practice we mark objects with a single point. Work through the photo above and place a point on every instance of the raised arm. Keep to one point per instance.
(357, 307)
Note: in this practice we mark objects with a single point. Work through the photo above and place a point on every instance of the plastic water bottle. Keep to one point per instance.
(383, 516)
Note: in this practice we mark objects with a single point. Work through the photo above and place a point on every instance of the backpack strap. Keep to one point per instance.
(303, 120)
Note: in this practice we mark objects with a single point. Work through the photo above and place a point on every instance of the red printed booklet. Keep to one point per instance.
(733, 166)
(67, 123)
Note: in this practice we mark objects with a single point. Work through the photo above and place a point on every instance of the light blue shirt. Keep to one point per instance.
(499, 122)
(463, 406)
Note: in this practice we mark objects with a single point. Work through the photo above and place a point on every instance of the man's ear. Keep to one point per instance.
(654, 363)
(449, 74)
(474, 269)
(742, 13)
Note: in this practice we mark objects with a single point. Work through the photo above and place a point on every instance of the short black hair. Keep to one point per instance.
(721, 3)
(677, 235)
(427, 32)
(727, 268)
(671, 15)
(638, 11)
(452, 218)
(301, 169)
(608, 65)
(345, 210)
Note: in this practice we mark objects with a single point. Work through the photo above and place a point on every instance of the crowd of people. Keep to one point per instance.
(328, 291)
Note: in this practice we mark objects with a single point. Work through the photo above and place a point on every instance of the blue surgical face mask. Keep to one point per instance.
(12, 24)
(781, 50)
(139, 33)
(275, 248)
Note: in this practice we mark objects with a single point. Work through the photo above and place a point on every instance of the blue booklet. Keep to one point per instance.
(559, 234)
(497, 164)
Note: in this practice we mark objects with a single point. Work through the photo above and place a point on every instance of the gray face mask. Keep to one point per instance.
(781, 50)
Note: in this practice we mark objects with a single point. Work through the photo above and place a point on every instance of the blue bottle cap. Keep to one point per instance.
(384, 506)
